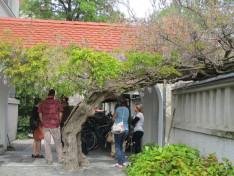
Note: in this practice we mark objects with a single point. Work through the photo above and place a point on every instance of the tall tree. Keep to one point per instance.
(72, 10)
(201, 30)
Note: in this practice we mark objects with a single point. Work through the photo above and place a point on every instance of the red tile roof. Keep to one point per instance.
(98, 36)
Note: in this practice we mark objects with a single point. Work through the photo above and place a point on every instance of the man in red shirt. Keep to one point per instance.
(50, 113)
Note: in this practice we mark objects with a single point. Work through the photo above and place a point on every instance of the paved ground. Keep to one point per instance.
(20, 163)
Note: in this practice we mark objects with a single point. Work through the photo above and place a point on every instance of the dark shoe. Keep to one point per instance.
(40, 156)
(34, 156)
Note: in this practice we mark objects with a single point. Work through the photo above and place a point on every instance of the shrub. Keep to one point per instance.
(176, 159)
(23, 128)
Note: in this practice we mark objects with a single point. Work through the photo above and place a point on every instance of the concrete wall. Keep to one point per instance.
(152, 102)
(164, 127)
(223, 147)
(204, 116)
(9, 8)
(12, 120)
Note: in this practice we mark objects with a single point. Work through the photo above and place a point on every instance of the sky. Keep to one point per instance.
(141, 8)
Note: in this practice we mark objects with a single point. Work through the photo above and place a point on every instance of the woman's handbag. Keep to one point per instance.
(118, 128)
(110, 137)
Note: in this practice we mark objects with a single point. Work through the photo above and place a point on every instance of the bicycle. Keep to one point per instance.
(95, 129)
(129, 144)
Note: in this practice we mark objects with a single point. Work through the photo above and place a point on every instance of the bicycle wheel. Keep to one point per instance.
(90, 139)
(127, 148)
(129, 145)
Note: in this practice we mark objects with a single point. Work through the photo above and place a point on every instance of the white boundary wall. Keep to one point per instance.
(204, 116)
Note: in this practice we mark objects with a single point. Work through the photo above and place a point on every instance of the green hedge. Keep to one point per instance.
(176, 159)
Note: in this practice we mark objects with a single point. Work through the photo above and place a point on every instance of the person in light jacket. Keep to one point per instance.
(137, 123)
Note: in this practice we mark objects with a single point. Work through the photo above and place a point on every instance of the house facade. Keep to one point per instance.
(4, 112)
(8, 106)
(9, 113)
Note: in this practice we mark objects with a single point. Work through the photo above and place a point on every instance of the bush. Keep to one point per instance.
(23, 128)
(176, 159)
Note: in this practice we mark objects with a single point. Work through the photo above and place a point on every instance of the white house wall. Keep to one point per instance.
(3, 114)
(12, 120)
(204, 118)
(15, 7)
(9, 10)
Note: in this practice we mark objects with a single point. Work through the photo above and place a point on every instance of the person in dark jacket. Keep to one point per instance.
(38, 134)
(66, 112)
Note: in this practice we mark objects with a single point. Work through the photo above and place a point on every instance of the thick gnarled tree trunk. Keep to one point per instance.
(73, 155)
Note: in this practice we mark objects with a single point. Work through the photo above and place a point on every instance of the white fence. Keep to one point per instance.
(204, 116)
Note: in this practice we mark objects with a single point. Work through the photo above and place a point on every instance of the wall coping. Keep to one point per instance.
(13, 101)
(228, 133)
(208, 82)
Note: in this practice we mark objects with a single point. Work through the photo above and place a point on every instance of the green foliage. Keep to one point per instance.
(140, 63)
(23, 62)
(136, 60)
(74, 10)
(176, 159)
(26, 94)
(23, 127)
(71, 70)
(98, 65)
